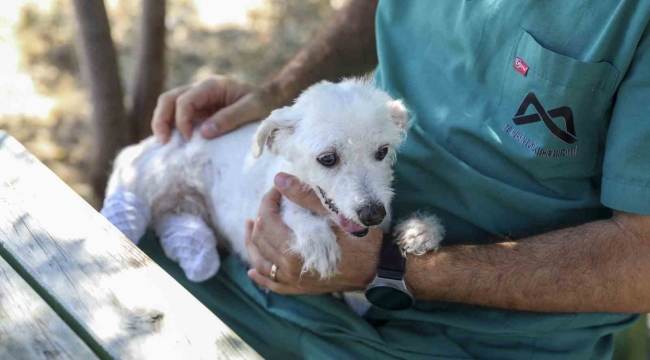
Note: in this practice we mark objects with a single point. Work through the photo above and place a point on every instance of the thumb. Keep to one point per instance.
(243, 111)
(299, 193)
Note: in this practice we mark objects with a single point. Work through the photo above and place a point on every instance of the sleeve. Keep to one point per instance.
(626, 167)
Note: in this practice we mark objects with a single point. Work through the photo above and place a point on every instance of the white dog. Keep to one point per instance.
(339, 139)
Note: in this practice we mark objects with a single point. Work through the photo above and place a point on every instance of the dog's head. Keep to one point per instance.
(341, 140)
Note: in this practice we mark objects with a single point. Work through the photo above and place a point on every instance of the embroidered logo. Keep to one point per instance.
(521, 66)
(568, 136)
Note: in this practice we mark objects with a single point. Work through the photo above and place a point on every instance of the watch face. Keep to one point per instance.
(389, 298)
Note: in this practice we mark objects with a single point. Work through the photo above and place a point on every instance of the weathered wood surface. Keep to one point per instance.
(118, 300)
(29, 328)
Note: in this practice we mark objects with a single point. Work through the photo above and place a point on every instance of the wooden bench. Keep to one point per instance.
(73, 287)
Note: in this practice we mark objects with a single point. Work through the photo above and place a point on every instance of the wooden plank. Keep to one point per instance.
(127, 307)
(29, 328)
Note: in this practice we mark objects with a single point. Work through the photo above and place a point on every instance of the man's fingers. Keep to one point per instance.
(257, 260)
(299, 193)
(163, 116)
(275, 246)
(276, 287)
(263, 257)
(228, 103)
(229, 118)
(192, 103)
(270, 205)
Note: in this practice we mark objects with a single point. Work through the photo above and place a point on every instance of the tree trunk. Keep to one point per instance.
(150, 71)
(100, 69)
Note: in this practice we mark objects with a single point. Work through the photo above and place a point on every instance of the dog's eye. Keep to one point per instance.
(381, 153)
(327, 160)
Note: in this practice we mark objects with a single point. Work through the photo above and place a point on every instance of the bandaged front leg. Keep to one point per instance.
(128, 213)
(189, 241)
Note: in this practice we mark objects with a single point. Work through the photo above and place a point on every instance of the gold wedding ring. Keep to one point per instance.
(274, 272)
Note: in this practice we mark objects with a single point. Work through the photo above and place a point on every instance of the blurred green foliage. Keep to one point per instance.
(46, 42)
(252, 53)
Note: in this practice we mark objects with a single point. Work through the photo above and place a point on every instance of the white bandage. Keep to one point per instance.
(189, 241)
(128, 213)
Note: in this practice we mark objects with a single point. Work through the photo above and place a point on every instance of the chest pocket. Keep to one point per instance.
(550, 117)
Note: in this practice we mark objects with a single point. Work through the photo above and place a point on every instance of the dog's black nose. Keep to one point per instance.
(372, 214)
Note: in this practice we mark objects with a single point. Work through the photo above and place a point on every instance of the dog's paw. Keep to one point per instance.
(320, 253)
(419, 234)
(188, 240)
(127, 212)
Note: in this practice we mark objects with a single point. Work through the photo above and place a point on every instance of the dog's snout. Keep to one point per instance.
(372, 214)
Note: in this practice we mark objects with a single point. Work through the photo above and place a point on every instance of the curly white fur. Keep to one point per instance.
(219, 185)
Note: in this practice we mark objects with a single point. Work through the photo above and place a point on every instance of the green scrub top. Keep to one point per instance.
(528, 116)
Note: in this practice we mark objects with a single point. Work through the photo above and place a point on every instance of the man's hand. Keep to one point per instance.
(344, 47)
(267, 243)
(226, 103)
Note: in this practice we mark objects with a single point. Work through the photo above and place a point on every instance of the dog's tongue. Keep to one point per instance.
(349, 226)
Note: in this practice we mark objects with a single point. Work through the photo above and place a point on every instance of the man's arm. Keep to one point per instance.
(344, 47)
(599, 266)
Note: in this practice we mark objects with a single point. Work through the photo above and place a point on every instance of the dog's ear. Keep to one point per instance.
(399, 114)
(274, 130)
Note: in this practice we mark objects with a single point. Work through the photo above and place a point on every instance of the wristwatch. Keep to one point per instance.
(388, 290)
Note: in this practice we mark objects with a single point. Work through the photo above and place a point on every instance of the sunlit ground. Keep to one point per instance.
(17, 93)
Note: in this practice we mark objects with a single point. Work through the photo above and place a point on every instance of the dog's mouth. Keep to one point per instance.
(345, 223)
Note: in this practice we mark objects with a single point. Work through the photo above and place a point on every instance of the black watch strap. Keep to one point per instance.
(391, 262)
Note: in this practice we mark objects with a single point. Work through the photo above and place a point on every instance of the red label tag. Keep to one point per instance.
(521, 66)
